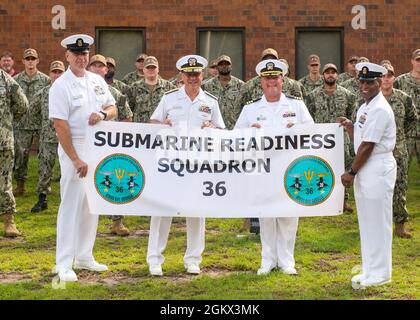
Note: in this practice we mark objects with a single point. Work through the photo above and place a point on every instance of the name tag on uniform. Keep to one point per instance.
(289, 114)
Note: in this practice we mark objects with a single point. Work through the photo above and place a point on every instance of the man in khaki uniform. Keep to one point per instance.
(31, 81)
(406, 119)
(48, 142)
(144, 95)
(13, 105)
(410, 84)
(313, 80)
(98, 65)
(226, 88)
(137, 74)
(329, 102)
(351, 70)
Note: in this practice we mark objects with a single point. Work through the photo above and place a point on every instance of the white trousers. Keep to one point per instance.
(373, 191)
(278, 236)
(76, 227)
(158, 238)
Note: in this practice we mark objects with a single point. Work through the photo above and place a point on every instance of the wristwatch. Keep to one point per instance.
(104, 113)
(352, 172)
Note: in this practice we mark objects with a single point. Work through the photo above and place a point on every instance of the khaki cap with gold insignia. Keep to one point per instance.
(151, 61)
(330, 66)
(110, 60)
(57, 65)
(98, 58)
(416, 54)
(313, 58)
(269, 51)
(30, 53)
(141, 56)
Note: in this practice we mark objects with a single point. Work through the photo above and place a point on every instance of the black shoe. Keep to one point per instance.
(255, 226)
(41, 204)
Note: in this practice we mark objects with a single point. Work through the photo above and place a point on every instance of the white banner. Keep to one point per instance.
(157, 170)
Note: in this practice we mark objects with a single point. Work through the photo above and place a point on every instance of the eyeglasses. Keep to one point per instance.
(30, 58)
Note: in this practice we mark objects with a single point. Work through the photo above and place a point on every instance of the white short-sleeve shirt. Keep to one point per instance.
(375, 122)
(271, 114)
(178, 107)
(74, 99)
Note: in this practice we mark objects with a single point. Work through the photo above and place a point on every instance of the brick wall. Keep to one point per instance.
(391, 33)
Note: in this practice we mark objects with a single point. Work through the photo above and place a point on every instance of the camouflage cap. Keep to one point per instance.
(224, 58)
(363, 59)
(213, 63)
(151, 61)
(330, 66)
(110, 60)
(141, 56)
(30, 53)
(269, 52)
(57, 65)
(353, 58)
(98, 58)
(385, 61)
(388, 67)
(313, 58)
(416, 54)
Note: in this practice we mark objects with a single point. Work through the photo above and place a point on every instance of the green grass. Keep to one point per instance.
(327, 248)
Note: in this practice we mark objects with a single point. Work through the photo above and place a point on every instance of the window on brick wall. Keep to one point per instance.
(213, 42)
(327, 43)
(123, 44)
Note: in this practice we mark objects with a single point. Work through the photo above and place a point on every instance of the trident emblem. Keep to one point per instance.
(120, 174)
(308, 176)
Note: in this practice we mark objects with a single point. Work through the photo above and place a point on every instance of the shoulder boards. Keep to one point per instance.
(170, 91)
(252, 101)
(209, 94)
(293, 97)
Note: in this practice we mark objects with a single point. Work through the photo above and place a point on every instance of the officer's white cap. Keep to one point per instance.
(77, 42)
(191, 63)
(370, 71)
(271, 67)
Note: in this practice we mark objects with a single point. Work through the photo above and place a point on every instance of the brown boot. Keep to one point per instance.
(119, 229)
(347, 207)
(9, 226)
(400, 232)
(20, 188)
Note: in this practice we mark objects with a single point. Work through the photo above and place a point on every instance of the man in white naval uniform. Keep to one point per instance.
(77, 99)
(373, 172)
(191, 108)
(278, 235)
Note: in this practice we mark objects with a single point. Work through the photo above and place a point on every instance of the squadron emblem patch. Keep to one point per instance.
(309, 180)
(119, 179)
